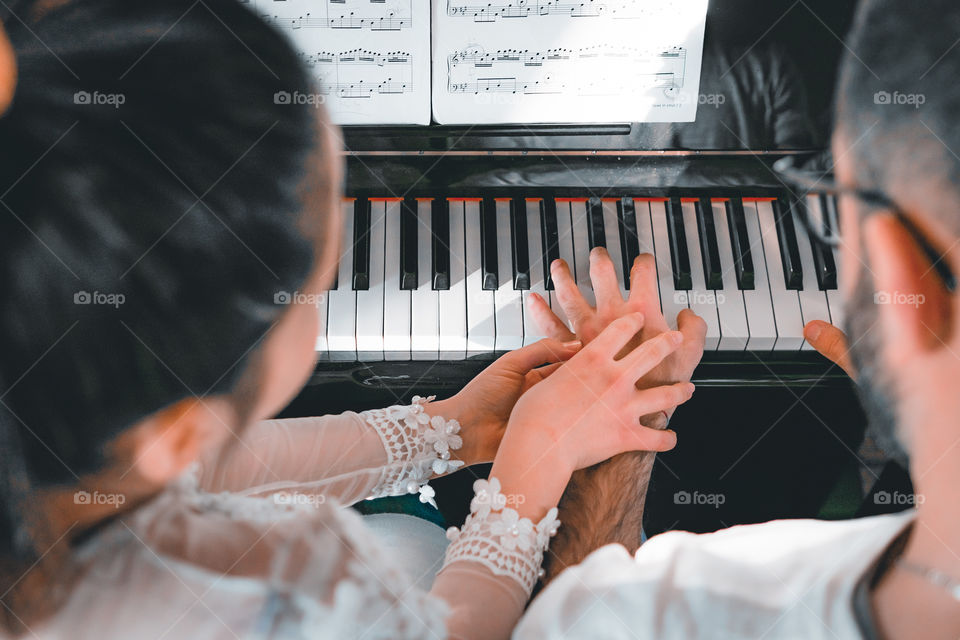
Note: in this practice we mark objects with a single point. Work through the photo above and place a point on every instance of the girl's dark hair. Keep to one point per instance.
(151, 179)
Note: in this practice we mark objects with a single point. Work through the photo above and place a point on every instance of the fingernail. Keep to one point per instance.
(691, 388)
(812, 331)
(573, 344)
(676, 337)
(555, 264)
(596, 252)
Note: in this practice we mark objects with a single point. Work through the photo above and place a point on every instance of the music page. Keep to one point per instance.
(371, 57)
(566, 61)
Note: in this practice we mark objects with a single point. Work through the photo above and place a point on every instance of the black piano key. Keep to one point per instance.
(408, 244)
(740, 242)
(823, 261)
(831, 217)
(550, 237)
(787, 237)
(596, 234)
(361, 244)
(440, 254)
(520, 248)
(488, 245)
(710, 252)
(679, 256)
(629, 240)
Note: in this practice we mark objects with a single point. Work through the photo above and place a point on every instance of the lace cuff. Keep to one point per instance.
(417, 447)
(496, 537)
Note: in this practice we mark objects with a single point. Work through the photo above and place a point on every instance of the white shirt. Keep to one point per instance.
(782, 579)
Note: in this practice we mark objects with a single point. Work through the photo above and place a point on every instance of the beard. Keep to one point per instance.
(874, 386)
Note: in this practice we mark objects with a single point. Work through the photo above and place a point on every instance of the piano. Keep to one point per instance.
(449, 229)
(437, 266)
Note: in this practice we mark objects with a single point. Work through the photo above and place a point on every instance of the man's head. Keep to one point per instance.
(896, 132)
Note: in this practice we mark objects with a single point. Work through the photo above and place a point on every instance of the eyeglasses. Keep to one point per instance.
(823, 222)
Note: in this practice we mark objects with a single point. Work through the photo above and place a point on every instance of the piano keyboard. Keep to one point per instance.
(446, 279)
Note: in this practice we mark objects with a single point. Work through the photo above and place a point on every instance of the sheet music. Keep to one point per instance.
(543, 61)
(371, 57)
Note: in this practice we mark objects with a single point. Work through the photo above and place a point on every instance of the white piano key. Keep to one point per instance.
(581, 249)
(672, 301)
(342, 301)
(424, 300)
(370, 302)
(508, 301)
(786, 303)
(565, 240)
(611, 229)
(731, 309)
(396, 302)
(813, 301)
(532, 332)
(453, 301)
(702, 301)
(481, 304)
(641, 209)
(761, 315)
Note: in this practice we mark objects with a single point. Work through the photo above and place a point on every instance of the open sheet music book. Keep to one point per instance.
(499, 61)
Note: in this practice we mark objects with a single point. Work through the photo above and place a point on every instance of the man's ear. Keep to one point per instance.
(166, 443)
(8, 71)
(916, 311)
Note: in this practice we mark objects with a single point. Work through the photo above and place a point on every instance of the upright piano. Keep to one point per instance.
(449, 229)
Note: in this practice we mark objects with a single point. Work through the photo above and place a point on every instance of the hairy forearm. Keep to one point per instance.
(601, 505)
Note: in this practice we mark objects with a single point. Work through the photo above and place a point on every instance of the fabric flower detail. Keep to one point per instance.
(487, 497)
(514, 533)
(427, 495)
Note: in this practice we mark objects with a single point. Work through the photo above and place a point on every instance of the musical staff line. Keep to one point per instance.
(362, 74)
(370, 15)
(588, 71)
(494, 11)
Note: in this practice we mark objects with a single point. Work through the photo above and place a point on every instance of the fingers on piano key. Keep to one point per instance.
(603, 279)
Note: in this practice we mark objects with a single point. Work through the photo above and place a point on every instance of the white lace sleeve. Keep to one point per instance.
(495, 536)
(417, 447)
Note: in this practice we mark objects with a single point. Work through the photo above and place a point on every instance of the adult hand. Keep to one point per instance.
(588, 321)
(587, 411)
(831, 342)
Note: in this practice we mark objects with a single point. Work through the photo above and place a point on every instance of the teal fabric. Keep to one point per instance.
(409, 505)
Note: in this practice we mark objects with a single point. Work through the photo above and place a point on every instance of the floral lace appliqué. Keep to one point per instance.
(497, 537)
(418, 446)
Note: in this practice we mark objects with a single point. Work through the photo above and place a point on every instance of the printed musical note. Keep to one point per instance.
(587, 71)
(362, 74)
(371, 58)
(622, 10)
(372, 15)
